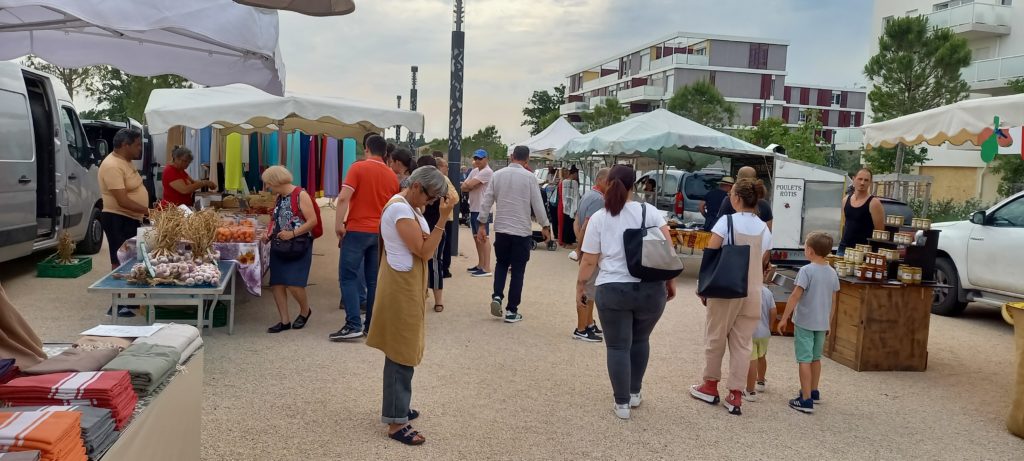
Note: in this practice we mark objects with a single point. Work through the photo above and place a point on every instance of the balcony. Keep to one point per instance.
(570, 108)
(680, 59)
(848, 139)
(598, 100)
(974, 20)
(641, 94)
(990, 75)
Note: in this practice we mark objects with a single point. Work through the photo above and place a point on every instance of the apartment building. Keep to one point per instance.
(997, 56)
(749, 72)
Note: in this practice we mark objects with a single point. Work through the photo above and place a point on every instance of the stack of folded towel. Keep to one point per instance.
(98, 432)
(148, 364)
(56, 435)
(31, 455)
(8, 370)
(105, 389)
(73, 360)
(183, 338)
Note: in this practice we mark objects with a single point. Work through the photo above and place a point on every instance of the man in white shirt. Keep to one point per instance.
(475, 185)
(515, 193)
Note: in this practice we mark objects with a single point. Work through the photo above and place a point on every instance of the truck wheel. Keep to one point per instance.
(946, 301)
(93, 235)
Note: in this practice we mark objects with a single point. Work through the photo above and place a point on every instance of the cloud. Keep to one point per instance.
(514, 48)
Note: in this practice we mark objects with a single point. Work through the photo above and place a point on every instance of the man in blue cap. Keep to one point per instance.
(476, 184)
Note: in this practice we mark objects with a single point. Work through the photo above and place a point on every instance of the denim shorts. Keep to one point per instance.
(475, 226)
(808, 344)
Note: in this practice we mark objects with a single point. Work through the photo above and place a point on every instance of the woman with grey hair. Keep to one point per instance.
(178, 185)
(397, 327)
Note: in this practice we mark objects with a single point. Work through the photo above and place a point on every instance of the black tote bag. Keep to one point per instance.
(723, 271)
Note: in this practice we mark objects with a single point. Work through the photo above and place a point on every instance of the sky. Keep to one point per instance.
(516, 47)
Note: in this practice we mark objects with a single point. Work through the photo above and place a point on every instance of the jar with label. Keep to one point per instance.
(858, 271)
(879, 274)
(917, 275)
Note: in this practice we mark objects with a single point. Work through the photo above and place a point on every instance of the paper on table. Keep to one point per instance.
(123, 331)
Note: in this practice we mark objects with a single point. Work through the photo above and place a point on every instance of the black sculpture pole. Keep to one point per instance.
(398, 128)
(455, 112)
(412, 106)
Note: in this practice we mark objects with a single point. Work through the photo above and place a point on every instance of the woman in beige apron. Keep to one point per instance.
(397, 327)
(731, 323)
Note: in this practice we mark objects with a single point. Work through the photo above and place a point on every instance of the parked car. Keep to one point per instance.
(48, 169)
(979, 258)
(101, 134)
(682, 191)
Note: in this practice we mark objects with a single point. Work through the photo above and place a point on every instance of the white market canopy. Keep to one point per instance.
(658, 134)
(210, 42)
(307, 7)
(544, 144)
(956, 123)
(243, 109)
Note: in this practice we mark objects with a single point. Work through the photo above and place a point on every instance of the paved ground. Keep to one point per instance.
(488, 390)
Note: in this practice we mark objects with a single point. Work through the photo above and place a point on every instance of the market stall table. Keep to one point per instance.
(1015, 421)
(881, 326)
(252, 258)
(168, 295)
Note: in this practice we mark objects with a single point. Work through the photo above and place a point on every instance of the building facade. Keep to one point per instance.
(749, 72)
(997, 51)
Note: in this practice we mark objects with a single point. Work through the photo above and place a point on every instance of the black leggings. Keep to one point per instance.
(629, 312)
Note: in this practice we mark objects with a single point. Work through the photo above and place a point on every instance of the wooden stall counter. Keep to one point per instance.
(881, 326)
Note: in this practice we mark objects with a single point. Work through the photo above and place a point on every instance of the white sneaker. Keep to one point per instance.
(760, 387)
(573, 255)
(751, 396)
(635, 400)
(622, 411)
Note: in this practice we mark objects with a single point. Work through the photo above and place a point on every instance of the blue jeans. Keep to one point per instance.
(359, 250)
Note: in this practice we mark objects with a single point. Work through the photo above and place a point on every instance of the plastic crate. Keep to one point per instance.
(220, 315)
(50, 268)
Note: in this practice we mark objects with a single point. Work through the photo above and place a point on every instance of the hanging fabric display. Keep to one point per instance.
(331, 168)
(348, 156)
(294, 164)
(303, 162)
(252, 174)
(192, 143)
(233, 162)
(215, 156)
(273, 157)
(205, 138)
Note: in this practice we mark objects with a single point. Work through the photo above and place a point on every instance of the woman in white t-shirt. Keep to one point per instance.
(629, 309)
(731, 322)
(397, 327)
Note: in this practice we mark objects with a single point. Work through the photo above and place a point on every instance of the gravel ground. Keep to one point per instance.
(488, 390)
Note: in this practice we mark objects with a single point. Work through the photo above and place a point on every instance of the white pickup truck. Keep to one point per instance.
(982, 259)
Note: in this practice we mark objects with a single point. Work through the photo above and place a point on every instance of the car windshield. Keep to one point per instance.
(671, 182)
(696, 186)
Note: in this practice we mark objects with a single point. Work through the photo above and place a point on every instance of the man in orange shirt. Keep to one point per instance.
(366, 190)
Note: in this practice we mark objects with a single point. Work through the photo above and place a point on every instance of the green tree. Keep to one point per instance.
(917, 68)
(547, 120)
(121, 96)
(1016, 84)
(702, 103)
(802, 143)
(487, 139)
(602, 115)
(540, 106)
(75, 80)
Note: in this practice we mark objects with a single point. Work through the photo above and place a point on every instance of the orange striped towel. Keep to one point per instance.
(57, 435)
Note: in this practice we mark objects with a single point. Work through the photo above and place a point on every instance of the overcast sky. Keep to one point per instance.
(516, 47)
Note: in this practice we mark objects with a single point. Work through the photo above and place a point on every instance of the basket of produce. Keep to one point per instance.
(64, 264)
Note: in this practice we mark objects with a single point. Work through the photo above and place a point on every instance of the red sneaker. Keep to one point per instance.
(733, 401)
(707, 392)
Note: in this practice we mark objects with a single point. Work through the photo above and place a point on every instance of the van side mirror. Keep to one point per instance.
(978, 218)
(100, 150)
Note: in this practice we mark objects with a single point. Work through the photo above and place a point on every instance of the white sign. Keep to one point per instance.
(123, 331)
(788, 209)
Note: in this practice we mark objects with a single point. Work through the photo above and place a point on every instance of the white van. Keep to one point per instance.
(47, 167)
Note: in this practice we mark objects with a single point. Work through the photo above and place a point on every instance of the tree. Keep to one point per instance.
(121, 96)
(75, 80)
(702, 103)
(547, 120)
(802, 143)
(602, 115)
(487, 139)
(541, 105)
(917, 68)
(1016, 84)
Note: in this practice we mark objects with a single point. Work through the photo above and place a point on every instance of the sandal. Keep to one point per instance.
(407, 436)
(438, 307)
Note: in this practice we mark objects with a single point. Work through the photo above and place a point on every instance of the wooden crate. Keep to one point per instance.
(880, 328)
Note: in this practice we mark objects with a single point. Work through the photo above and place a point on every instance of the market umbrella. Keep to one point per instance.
(244, 109)
(659, 134)
(544, 144)
(210, 42)
(973, 121)
(307, 7)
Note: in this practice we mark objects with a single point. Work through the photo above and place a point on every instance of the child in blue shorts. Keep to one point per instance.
(813, 299)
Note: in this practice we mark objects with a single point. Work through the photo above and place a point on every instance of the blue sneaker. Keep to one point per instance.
(513, 317)
(480, 273)
(816, 396)
(801, 405)
(122, 312)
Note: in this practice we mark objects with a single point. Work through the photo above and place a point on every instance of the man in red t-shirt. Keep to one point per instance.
(366, 190)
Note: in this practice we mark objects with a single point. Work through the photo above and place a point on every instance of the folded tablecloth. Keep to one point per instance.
(74, 359)
(148, 364)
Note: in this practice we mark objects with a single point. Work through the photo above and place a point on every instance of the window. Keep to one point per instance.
(1006, 2)
(78, 145)
(853, 119)
(802, 116)
(912, 12)
(16, 120)
(1010, 215)
(837, 98)
(886, 20)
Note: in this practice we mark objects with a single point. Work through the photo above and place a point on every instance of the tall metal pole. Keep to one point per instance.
(412, 105)
(455, 111)
(398, 128)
